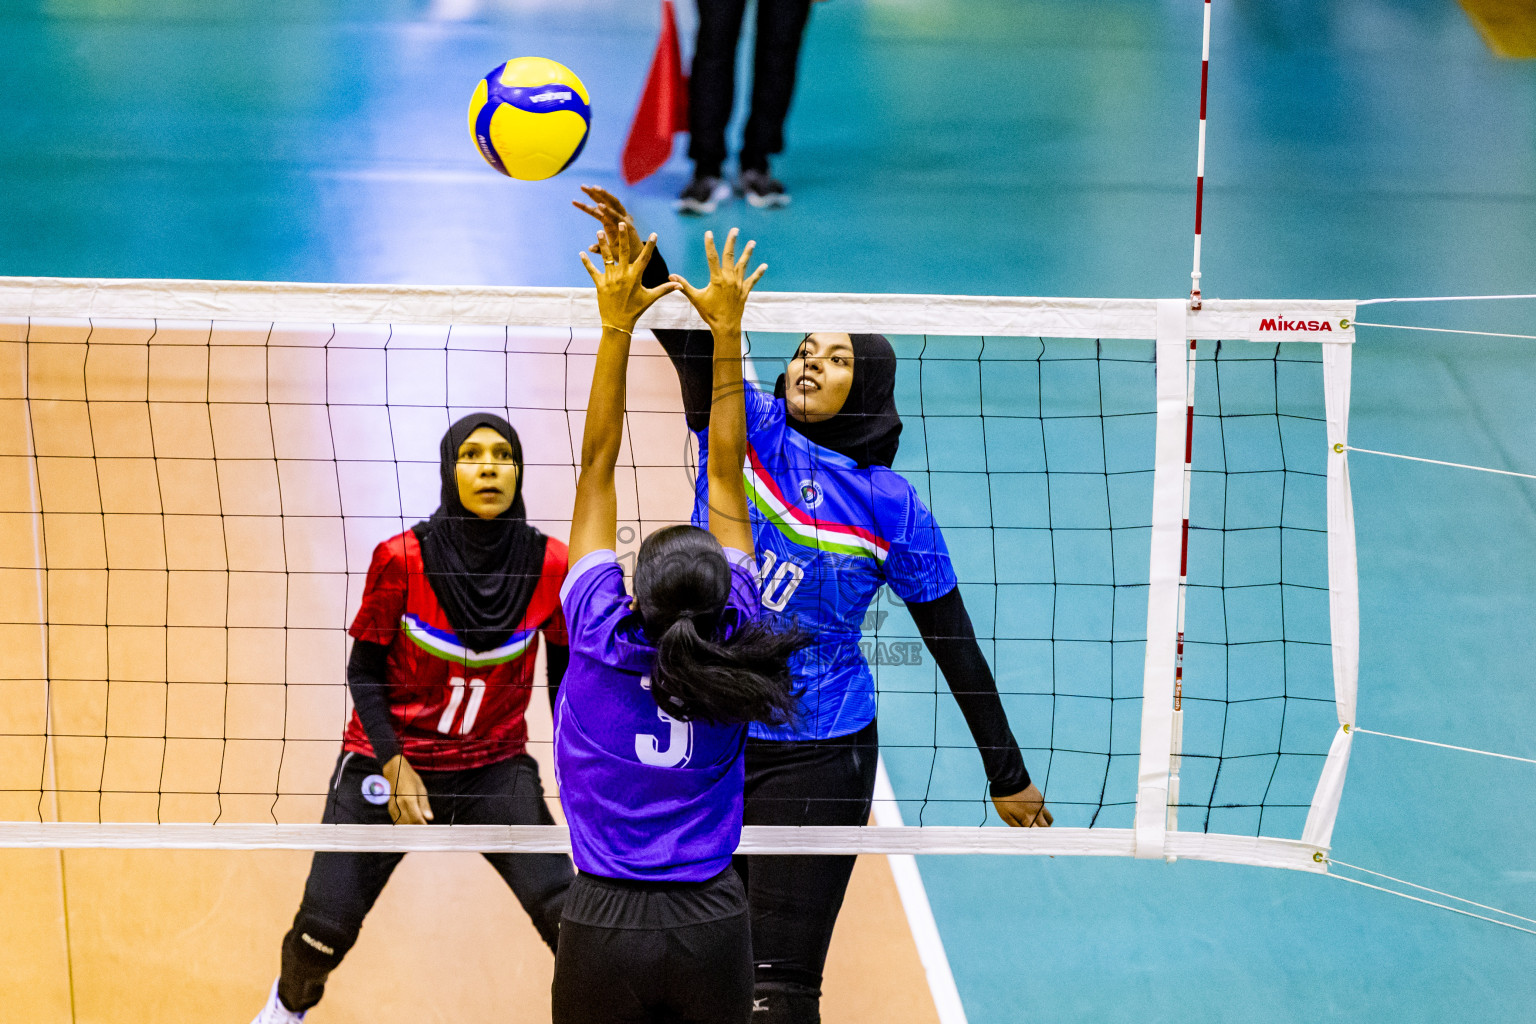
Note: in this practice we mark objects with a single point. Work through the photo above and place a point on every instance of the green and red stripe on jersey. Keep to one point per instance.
(802, 528)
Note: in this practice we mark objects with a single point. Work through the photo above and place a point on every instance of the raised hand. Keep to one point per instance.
(606, 208)
(721, 302)
(621, 298)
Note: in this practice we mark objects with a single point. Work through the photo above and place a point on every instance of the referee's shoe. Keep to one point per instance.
(703, 194)
(762, 189)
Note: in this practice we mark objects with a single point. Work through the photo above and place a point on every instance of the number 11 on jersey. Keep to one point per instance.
(455, 698)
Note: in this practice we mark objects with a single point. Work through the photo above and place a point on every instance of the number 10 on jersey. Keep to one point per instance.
(457, 687)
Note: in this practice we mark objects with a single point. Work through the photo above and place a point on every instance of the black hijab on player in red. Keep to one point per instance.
(867, 428)
(483, 571)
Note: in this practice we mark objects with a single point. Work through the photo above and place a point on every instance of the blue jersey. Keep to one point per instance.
(828, 535)
(647, 796)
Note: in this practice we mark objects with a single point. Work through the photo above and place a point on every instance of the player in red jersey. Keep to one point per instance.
(440, 674)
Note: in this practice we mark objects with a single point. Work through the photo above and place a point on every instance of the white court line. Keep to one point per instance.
(1447, 746)
(1448, 330)
(1441, 298)
(1438, 462)
(914, 900)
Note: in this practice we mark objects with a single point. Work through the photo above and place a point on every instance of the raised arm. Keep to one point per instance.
(621, 298)
(720, 303)
(690, 351)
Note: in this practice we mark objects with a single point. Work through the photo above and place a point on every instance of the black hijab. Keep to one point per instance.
(867, 428)
(483, 571)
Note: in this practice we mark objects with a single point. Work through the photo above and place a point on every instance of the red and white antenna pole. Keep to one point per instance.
(1205, 76)
(1176, 762)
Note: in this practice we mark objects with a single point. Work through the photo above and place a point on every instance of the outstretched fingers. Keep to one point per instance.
(603, 197)
(687, 289)
(646, 250)
(728, 258)
(632, 236)
(665, 288)
(711, 255)
(757, 275)
(586, 261)
(621, 250)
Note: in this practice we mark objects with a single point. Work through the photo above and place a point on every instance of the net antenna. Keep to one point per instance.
(1176, 760)
(1205, 77)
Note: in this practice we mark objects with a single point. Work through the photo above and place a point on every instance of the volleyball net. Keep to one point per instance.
(1147, 506)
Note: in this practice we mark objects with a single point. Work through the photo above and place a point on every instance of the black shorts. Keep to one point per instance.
(654, 952)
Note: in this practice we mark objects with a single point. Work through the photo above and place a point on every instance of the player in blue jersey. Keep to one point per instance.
(832, 525)
(651, 719)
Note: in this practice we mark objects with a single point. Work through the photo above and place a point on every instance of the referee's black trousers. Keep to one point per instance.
(712, 81)
(343, 887)
(795, 900)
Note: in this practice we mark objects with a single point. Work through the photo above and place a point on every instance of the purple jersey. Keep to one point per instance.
(647, 797)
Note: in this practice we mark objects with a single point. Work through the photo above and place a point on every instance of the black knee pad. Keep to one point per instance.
(312, 949)
(786, 1002)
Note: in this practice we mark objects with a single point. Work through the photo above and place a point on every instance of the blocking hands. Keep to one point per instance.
(605, 208)
(621, 297)
(721, 302)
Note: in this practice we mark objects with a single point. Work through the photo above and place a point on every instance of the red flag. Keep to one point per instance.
(663, 107)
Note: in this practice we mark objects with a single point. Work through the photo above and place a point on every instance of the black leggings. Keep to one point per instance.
(342, 887)
(795, 899)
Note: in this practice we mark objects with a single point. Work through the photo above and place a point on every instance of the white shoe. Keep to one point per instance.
(276, 1013)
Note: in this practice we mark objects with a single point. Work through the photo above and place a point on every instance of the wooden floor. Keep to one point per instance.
(194, 533)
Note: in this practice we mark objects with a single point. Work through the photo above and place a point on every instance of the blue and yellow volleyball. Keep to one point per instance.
(530, 117)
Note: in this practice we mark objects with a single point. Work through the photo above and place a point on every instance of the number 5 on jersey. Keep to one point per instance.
(455, 698)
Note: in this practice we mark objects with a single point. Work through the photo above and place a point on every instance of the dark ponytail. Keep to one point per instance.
(682, 581)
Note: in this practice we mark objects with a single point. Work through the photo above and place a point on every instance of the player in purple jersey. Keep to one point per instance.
(833, 523)
(651, 720)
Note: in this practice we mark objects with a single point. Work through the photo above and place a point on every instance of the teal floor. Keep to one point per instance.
(1358, 148)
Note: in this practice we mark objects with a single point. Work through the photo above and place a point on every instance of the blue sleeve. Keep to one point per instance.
(918, 566)
(763, 410)
(594, 600)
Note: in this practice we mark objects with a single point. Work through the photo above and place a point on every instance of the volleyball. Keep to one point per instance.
(530, 117)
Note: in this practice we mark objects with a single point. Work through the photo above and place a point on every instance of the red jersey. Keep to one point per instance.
(452, 708)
